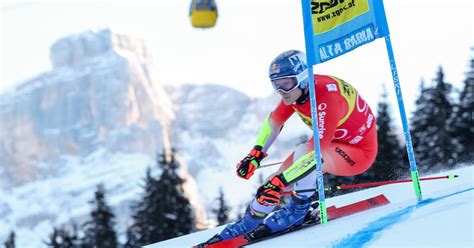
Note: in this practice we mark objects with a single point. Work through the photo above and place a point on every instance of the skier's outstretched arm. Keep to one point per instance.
(268, 133)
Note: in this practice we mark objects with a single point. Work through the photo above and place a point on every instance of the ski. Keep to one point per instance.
(261, 233)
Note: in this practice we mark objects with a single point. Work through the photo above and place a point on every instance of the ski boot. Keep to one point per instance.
(293, 214)
(238, 228)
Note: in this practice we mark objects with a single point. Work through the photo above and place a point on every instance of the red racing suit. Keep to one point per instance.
(347, 131)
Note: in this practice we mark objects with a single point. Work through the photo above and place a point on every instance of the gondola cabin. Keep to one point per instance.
(203, 13)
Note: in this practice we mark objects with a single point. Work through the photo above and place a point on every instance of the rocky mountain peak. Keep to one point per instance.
(101, 93)
(78, 49)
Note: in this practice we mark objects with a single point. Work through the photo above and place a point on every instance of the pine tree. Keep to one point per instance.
(222, 211)
(146, 215)
(164, 212)
(10, 242)
(444, 152)
(178, 212)
(419, 127)
(463, 121)
(433, 144)
(62, 238)
(99, 231)
(389, 161)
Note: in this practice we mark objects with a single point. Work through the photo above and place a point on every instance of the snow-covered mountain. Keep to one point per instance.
(99, 94)
(444, 218)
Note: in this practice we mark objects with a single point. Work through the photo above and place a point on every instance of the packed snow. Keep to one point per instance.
(444, 218)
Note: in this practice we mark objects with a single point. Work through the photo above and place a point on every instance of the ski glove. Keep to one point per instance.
(269, 193)
(247, 166)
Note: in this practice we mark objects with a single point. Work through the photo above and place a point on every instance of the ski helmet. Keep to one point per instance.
(289, 71)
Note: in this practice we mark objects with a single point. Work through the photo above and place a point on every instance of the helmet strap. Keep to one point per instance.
(304, 96)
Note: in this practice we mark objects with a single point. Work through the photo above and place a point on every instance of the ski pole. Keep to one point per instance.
(306, 190)
(362, 185)
(268, 165)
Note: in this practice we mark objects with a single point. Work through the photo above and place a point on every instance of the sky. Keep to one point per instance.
(247, 36)
(444, 218)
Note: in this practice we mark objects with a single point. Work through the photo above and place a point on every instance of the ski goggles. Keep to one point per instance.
(289, 83)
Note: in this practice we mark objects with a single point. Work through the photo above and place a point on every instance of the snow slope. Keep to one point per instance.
(444, 218)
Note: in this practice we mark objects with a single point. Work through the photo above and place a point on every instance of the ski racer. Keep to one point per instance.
(347, 134)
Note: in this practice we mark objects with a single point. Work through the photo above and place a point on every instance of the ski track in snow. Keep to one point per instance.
(373, 229)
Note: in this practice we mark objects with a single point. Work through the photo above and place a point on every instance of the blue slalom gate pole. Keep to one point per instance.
(308, 31)
(406, 130)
